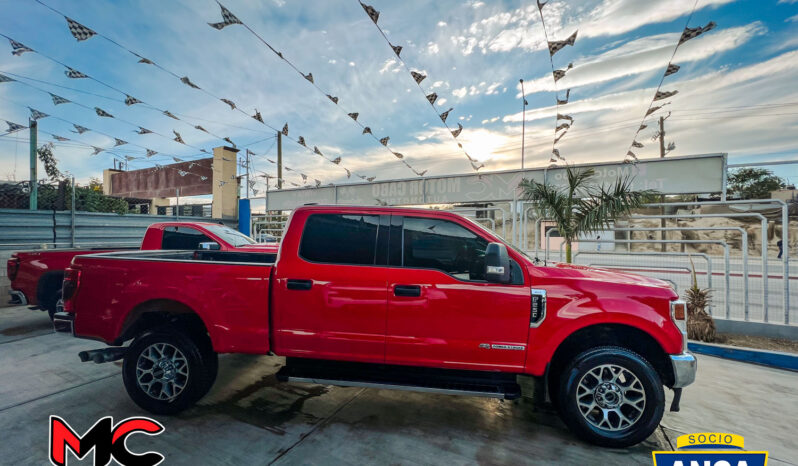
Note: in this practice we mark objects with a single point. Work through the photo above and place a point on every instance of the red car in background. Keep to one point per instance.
(36, 276)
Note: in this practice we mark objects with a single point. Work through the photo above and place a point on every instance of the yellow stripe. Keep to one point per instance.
(709, 438)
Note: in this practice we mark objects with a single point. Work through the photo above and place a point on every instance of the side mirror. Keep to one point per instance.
(209, 246)
(497, 263)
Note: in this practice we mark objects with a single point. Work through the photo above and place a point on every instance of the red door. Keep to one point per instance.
(441, 311)
(331, 301)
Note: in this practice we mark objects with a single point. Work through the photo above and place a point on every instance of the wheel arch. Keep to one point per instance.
(155, 313)
(611, 334)
(50, 282)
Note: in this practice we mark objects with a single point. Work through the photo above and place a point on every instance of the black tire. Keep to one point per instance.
(187, 385)
(50, 292)
(613, 429)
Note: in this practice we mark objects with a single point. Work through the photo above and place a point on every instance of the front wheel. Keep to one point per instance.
(611, 397)
(166, 371)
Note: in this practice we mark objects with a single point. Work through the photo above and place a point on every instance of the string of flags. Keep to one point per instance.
(58, 100)
(18, 49)
(554, 46)
(229, 19)
(82, 32)
(659, 94)
(418, 77)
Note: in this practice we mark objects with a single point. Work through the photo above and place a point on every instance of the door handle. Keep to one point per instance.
(295, 284)
(412, 291)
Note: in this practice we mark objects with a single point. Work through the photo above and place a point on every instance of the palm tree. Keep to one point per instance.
(582, 207)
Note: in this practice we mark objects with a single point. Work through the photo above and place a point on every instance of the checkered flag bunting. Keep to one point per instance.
(557, 45)
(57, 99)
(230, 103)
(13, 126)
(131, 100)
(5, 79)
(373, 14)
(143, 131)
(60, 138)
(559, 74)
(79, 31)
(560, 116)
(639, 145)
(692, 33)
(301, 141)
(432, 98)
(119, 142)
(227, 19)
(672, 68)
(384, 141)
(36, 115)
(18, 48)
(445, 115)
(664, 95)
(353, 115)
(150, 153)
(188, 82)
(565, 100)
(459, 130)
(97, 150)
(397, 49)
(285, 130)
(80, 129)
(418, 77)
(178, 138)
(102, 113)
(74, 74)
(170, 115)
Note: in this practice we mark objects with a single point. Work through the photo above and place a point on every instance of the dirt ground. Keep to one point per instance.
(748, 341)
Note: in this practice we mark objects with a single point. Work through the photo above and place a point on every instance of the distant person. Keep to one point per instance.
(598, 244)
(779, 244)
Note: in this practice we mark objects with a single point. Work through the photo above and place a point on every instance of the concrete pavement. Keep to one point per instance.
(250, 418)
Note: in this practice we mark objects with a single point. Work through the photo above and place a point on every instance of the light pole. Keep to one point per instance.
(523, 120)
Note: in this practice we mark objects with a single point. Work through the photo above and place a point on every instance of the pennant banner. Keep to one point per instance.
(14, 126)
(131, 100)
(17, 48)
(373, 14)
(5, 79)
(102, 113)
(227, 19)
(80, 129)
(672, 68)
(664, 95)
(74, 74)
(58, 100)
(557, 45)
(79, 31)
(559, 74)
(692, 33)
(36, 115)
(188, 82)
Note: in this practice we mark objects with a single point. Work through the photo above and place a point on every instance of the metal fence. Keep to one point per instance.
(749, 281)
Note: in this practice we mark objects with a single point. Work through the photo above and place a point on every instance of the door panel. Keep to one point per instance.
(328, 308)
(456, 319)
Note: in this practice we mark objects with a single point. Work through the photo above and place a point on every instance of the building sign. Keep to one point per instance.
(674, 175)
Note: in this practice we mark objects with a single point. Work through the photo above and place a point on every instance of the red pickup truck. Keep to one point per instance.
(393, 298)
(36, 276)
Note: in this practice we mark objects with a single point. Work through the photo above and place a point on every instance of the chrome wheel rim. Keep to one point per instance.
(162, 371)
(611, 397)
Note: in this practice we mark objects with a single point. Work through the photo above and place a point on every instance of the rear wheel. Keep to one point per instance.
(611, 397)
(166, 371)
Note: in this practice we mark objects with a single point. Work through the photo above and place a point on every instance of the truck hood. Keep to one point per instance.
(606, 275)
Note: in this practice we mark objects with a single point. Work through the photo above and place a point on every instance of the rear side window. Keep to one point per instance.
(182, 238)
(340, 239)
(443, 245)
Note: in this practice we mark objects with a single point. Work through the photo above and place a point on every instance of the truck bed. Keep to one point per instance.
(228, 290)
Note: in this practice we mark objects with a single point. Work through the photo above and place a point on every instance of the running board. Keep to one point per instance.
(425, 380)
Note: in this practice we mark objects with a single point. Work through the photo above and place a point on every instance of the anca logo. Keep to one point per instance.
(710, 449)
(106, 439)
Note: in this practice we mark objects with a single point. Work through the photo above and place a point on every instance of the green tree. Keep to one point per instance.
(583, 207)
(754, 183)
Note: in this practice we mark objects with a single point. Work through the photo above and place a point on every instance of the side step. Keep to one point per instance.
(417, 379)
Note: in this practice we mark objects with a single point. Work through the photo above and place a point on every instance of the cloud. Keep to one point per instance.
(645, 54)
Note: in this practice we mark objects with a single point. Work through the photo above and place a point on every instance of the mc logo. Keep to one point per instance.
(106, 439)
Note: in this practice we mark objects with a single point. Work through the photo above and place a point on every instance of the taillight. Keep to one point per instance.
(71, 282)
(12, 267)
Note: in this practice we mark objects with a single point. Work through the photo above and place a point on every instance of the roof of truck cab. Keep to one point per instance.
(345, 208)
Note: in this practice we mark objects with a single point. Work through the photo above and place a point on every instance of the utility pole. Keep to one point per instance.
(662, 196)
(523, 121)
(247, 167)
(279, 160)
(34, 190)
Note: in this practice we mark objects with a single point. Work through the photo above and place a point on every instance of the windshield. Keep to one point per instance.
(230, 236)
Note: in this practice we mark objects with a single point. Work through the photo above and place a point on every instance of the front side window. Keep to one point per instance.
(340, 239)
(182, 238)
(443, 245)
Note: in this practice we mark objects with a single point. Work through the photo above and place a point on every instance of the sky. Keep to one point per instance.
(737, 85)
